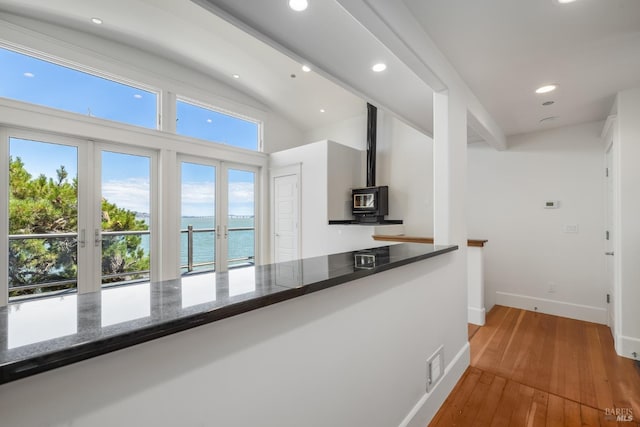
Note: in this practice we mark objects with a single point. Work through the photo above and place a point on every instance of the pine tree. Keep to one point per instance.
(41, 205)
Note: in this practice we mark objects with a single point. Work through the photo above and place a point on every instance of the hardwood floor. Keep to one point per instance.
(533, 369)
(472, 329)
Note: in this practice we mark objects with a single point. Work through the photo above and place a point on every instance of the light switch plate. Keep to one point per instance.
(570, 228)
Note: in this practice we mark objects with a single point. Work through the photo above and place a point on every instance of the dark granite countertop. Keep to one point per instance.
(42, 334)
(356, 222)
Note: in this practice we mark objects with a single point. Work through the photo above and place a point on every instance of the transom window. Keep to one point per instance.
(208, 124)
(29, 79)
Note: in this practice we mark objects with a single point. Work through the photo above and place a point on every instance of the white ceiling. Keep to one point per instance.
(505, 49)
(328, 37)
(182, 31)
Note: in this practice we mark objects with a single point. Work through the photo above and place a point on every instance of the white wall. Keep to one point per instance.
(404, 163)
(352, 355)
(279, 134)
(318, 237)
(628, 106)
(345, 168)
(351, 132)
(528, 252)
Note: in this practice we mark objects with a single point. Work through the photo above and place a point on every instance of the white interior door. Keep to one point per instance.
(609, 239)
(286, 218)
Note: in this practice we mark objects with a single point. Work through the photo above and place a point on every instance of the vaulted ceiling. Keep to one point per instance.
(503, 49)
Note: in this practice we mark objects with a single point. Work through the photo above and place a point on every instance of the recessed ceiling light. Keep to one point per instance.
(298, 5)
(322, 110)
(565, 1)
(235, 76)
(306, 68)
(96, 21)
(379, 67)
(546, 89)
(137, 96)
(549, 119)
(209, 121)
(27, 74)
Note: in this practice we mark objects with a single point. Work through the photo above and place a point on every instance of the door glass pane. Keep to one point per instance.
(197, 232)
(43, 218)
(126, 212)
(241, 219)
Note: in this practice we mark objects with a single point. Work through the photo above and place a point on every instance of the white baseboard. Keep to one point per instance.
(428, 405)
(627, 346)
(558, 308)
(475, 315)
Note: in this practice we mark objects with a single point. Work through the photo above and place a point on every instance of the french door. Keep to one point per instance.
(124, 222)
(217, 215)
(80, 214)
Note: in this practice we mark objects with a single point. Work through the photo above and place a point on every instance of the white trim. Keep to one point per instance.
(425, 409)
(18, 114)
(154, 207)
(627, 346)
(86, 207)
(4, 215)
(557, 308)
(476, 315)
(169, 215)
(223, 199)
(611, 120)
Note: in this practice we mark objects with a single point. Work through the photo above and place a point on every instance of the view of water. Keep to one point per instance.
(241, 242)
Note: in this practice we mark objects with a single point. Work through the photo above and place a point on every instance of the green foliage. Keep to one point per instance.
(44, 205)
(121, 254)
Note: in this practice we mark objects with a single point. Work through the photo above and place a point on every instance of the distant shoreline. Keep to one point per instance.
(146, 215)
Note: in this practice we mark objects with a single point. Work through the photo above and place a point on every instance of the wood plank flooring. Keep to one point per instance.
(532, 369)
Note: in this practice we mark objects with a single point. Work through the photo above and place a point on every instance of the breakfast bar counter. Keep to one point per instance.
(38, 335)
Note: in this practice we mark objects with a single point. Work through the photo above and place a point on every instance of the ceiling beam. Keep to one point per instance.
(393, 24)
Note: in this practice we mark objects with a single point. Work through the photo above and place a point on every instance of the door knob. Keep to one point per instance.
(609, 253)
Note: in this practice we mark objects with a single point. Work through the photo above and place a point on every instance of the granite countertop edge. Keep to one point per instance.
(17, 369)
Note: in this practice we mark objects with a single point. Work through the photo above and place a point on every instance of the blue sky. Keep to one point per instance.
(125, 178)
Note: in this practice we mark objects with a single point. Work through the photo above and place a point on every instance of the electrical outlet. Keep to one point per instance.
(435, 368)
(552, 288)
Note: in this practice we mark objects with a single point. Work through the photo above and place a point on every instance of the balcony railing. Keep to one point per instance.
(73, 237)
(191, 232)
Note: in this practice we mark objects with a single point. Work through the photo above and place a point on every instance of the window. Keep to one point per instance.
(43, 217)
(87, 210)
(217, 223)
(204, 123)
(33, 80)
(60, 225)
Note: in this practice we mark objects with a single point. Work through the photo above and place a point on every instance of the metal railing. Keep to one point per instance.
(191, 265)
(75, 237)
